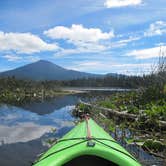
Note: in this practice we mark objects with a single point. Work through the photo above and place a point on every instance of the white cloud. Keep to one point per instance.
(157, 28)
(12, 58)
(78, 33)
(110, 67)
(146, 53)
(86, 65)
(124, 42)
(130, 39)
(85, 40)
(121, 3)
(24, 43)
(83, 48)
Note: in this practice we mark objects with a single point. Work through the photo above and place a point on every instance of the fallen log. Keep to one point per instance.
(122, 114)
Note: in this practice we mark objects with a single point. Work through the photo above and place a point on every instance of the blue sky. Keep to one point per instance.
(97, 36)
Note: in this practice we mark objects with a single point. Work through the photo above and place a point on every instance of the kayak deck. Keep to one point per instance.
(86, 144)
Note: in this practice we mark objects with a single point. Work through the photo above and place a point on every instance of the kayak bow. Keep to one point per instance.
(87, 144)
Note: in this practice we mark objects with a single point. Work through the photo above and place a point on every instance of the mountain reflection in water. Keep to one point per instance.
(24, 130)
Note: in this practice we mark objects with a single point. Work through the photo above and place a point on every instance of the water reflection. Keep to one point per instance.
(21, 153)
(47, 107)
(24, 130)
(18, 125)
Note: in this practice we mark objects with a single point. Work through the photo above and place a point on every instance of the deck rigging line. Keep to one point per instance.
(89, 136)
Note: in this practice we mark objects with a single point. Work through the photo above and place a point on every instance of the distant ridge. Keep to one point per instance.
(45, 70)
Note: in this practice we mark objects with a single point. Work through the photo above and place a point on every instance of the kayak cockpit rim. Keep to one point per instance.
(92, 160)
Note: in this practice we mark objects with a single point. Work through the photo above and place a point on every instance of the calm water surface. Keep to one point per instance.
(25, 130)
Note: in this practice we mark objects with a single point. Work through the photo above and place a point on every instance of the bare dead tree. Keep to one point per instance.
(162, 61)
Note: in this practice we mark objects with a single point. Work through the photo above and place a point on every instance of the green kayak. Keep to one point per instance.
(86, 145)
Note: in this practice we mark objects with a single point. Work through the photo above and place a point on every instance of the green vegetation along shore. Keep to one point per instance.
(148, 120)
(140, 113)
(14, 91)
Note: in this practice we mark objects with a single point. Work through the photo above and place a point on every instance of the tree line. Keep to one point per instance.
(155, 81)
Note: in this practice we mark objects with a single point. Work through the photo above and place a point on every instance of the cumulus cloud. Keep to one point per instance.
(146, 53)
(78, 33)
(121, 3)
(157, 28)
(86, 40)
(24, 43)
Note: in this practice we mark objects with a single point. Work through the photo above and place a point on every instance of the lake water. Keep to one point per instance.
(25, 130)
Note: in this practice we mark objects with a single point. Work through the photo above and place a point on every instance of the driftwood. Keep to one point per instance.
(162, 123)
(122, 114)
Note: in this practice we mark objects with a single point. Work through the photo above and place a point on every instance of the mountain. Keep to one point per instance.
(45, 70)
